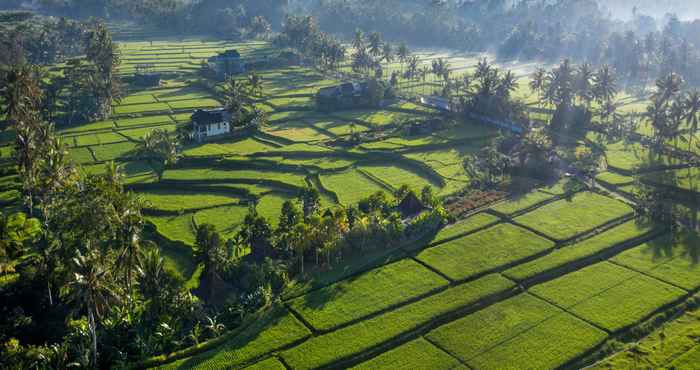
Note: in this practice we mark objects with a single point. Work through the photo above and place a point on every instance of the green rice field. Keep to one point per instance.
(535, 280)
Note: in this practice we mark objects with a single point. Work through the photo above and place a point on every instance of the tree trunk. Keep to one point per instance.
(48, 288)
(93, 336)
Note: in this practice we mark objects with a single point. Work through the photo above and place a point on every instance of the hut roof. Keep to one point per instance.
(410, 205)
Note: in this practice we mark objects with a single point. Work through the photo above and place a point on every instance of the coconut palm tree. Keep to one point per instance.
(233, 96)
(483, 68)
(129, 240)
(104, 54)
(159, 147)
(507, 85)
(402, 54)
(604, 84)
(151, 271)
(15, 231)
(90, 289)
(537, 83)
(375, 44)
(358, 42)
(300, 242)
(209, 249)
(255, 84)
(692, 111)
(668, 86)
(387, 54)
(583, 85)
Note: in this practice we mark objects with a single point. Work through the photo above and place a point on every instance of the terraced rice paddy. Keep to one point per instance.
(568, 218)
(371, 292)
(517, 333)
(350, 186)
(610, 296)
(486, 292)
(484, 251)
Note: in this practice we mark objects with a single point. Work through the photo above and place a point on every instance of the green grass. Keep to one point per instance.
(686, 179)
(283, 102)
(417, 354)
(673, 259)
(568, 218)
(277, 330)
(463, 227)
(142, 108)
(561, 257)
(186, 93)
(613, 178)
(137, 134)
(371, 292)
(269, 364)
(100, 125)
(325, 163)
(235, 176)
(177, 200)
(518, 334)
(175, 228)
(608, 295)
(298, 131)
(688, 361)
(111, 152)
(633, 156)
(193, 104)
(486, 250)
(396, 176)
(521, 202)
(270, 206)
(338, 127)
(226, 219)
(350, 186)
(660, 348)
(326, 349)
(95, 139)
(80, 155)
(441, 158)
(143, 121)
(246, 146)
(138, 99)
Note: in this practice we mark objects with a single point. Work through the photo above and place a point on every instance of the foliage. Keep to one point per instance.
(160, 148)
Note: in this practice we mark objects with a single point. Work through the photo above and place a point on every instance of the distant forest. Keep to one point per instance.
(642, 47)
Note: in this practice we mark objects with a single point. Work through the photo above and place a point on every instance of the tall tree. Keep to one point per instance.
(692, 109)
(604, 84)
(160, 149)
(90, 289)
(104, 54)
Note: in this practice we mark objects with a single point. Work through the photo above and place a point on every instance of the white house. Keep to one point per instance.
(210, 123)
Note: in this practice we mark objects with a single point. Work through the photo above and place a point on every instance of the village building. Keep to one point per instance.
(210, 124)
(410, 205)
(226, 64)
(346, 95)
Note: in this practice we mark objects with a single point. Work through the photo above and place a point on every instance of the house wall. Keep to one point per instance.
(217, 129)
